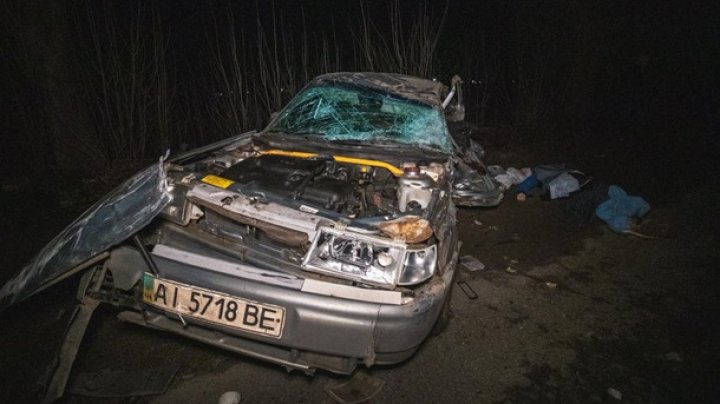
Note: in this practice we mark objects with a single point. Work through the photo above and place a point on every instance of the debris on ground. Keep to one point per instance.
(511, 263)
(525, 187)
(360, 388)
(558, 181)
(108, 383)
(469, 292)
(511, 175)
(471, 263)
(651, 228)
(616, 394)
(551, 285)
(230, 397)
(59, 372)
(562, 185)
(494, 170)
(580, 210)
(619, 211)
(477, 222)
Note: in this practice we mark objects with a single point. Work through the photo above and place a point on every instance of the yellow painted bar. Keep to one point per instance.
(219, 182)
(340, 159)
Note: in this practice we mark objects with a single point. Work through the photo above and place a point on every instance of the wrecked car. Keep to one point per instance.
(326, 240)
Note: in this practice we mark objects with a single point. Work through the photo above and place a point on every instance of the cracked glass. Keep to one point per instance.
(348, 114)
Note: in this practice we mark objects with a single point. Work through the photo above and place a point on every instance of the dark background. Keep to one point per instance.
(626, 90)
(98, 88)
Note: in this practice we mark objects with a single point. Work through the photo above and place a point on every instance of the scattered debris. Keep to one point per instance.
(513, 176)
(471, 263)
(526, 187)
(620, 210)
(580, 210)
(59, 370)
(491, 228)
(562, 185)
(109, 383)
(551, 285)
(521, 197)
(654, 229)
(230, 397)
(616, 394)
(510, 270)
(360, 388)
(494, 170)
(477, 222)
(469, 292)
(558, 181)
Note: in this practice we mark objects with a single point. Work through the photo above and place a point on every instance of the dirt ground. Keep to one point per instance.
(564, 312)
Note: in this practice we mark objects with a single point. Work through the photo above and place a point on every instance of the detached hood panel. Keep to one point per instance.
(116, 217)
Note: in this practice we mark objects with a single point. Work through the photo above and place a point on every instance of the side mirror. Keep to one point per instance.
(455, 111)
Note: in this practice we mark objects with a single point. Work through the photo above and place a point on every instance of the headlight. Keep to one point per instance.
(369, 259)
(419, 265)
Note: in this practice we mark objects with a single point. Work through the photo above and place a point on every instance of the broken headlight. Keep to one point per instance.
(419, 265)
(369, 259)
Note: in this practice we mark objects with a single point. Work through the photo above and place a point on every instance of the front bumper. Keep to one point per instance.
(321, 330)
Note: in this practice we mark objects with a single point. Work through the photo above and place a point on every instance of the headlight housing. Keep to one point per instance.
(369, 259)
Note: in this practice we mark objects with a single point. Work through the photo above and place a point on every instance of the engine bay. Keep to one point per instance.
(316, 181)
(351, 190)
(289, 197)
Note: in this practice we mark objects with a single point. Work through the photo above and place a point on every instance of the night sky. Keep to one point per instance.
(590, 65)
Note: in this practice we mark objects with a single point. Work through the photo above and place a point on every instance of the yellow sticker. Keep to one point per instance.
(217, 181)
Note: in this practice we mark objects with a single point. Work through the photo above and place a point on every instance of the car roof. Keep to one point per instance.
(407, 87)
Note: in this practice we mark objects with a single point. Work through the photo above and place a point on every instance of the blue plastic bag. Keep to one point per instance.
(620, 209)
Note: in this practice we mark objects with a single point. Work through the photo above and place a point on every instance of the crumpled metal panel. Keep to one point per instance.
(473, 189)
(407, 87)
(116, 217)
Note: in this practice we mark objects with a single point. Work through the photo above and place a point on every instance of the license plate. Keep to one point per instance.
(215, 307)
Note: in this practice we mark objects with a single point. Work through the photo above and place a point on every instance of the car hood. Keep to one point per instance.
(116, 217)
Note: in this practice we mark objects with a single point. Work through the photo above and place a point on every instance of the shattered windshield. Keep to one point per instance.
(341, 114)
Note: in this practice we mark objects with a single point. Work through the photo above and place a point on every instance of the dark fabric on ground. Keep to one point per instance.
(580, 208)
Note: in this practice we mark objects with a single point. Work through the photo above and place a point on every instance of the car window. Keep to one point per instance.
(358, 114)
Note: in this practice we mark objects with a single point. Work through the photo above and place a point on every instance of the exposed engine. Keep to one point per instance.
(353, 190)
(317, 181)
(288, 196)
